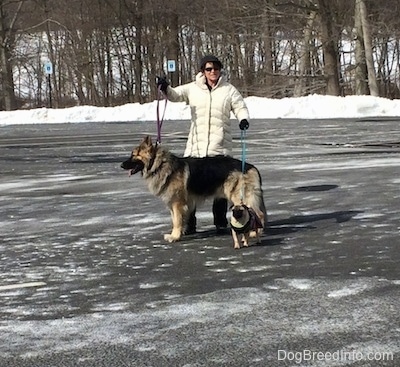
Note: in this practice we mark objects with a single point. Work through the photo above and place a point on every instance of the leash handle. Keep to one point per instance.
(160, 120)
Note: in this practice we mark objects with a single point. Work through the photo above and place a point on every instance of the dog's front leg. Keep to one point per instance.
(245, 239)
(177, 224)
(236, 243)
(258, 232)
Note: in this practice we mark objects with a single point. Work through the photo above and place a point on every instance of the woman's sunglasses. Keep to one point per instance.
(209, 69)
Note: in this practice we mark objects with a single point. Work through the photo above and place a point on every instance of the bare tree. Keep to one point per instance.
(361, 76)
(365, 43)
(107, 52)
(305, 57)
(329, 38)
(9, 12)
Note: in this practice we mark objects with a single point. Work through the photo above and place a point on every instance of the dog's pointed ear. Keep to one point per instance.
(147, 140)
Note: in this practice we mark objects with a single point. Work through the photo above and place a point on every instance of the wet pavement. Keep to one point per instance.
(87, 280)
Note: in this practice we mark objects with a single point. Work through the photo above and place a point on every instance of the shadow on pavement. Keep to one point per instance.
(291, 224)
(315, 188)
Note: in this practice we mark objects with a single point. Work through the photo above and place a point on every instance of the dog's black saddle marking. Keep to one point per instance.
(209, 173)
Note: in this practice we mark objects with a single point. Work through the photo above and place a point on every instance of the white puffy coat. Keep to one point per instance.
(210, 130)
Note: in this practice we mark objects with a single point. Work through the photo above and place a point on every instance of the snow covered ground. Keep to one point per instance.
(310, 107)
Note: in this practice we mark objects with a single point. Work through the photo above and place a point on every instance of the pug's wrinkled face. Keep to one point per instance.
(240, 214)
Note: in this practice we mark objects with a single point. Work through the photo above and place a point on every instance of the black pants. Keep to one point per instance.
(220, 207)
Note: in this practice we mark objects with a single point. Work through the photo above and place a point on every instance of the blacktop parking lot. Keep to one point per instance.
(87, 280)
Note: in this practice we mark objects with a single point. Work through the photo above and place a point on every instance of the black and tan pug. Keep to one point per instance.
(245, 223)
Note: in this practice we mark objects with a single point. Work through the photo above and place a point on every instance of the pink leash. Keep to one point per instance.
(160, 120)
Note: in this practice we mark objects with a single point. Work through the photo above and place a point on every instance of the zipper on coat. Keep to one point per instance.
(209, 124)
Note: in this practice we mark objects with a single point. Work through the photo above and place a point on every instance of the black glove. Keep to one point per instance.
(244, 124)
(162, 83)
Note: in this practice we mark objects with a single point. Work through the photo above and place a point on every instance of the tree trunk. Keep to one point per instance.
(52, 58)
(173, 50)
(361, 78)
(138, 62)
(330, 48)
(362, 10)
(8, 96)
(305, 63)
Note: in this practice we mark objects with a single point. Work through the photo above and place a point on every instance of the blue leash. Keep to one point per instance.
(243, 141)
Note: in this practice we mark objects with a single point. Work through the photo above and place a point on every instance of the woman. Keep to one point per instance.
(211, 99)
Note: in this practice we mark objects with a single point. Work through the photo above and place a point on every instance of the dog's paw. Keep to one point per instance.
(253, 234)
(170, 238)
(236, 243)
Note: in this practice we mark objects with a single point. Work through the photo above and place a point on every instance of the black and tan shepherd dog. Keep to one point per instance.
(183, 183)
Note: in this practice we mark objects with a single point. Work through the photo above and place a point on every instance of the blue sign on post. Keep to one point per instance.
(171, 66)
(48, 68)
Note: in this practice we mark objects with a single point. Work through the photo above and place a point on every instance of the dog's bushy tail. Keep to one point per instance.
(262, 203)
(254, 196)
